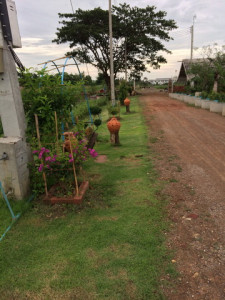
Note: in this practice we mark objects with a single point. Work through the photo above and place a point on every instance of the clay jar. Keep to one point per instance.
(113, 125)
(126, 102)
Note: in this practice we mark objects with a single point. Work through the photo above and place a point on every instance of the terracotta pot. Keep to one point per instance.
(126, 102)
(69, 138)
(113, 125)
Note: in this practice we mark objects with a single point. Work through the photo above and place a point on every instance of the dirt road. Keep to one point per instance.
(189, 147)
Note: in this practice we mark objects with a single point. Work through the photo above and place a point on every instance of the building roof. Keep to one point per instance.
(184, 74)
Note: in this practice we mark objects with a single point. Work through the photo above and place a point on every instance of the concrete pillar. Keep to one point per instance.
(11, 107)
(14, 173)
(14, 154)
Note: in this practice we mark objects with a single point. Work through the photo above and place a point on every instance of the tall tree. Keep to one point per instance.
(140, 30)
(209, 72)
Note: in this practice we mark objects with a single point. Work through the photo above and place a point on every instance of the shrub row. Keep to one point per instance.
(81, 109)
(213, 96)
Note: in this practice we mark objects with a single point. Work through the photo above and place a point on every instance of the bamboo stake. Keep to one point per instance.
(61, 66)
(42, 161)
(82, 174)
(56, 131)
(37, 130)
(74, 169)
(52, 60)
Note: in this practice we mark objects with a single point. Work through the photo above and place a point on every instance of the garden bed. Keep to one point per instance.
(52, 197)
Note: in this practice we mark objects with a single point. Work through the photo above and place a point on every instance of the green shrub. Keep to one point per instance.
(95, 110)
(101, 101)
(81, 110)
(97, 122)
(221, 97)
(204, 95)
(114, 110)
(214, 96)
(123, 91)
(43, 95)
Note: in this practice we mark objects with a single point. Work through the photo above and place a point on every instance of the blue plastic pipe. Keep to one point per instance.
(14, 217)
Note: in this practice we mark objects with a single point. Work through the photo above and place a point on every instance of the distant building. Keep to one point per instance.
(152, 81)
(162, 80)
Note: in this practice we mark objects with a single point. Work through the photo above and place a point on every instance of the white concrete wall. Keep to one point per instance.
(206, 104)
(223, 111)
(216, 107)
(213, 106)
(198, 102)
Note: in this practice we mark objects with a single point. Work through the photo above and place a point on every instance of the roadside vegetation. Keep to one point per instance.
(208, 74)
(110, 247)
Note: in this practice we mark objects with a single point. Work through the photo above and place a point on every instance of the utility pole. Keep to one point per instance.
(112, 87)
(125, 59)
(192, 37)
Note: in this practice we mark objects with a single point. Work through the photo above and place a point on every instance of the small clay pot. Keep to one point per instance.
(113, 125)
(69, 140)
(126, 102)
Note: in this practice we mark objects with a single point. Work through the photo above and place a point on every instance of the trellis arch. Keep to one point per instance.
(64, 65)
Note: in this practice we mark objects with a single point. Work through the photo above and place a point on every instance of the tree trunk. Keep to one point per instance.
(107, 80)
(215, 85)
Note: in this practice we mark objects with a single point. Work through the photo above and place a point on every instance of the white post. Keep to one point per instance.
(14, 153)
(125, 59)
(112, 87)
(192, 33)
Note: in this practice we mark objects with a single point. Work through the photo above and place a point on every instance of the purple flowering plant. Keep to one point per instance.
(47, 160)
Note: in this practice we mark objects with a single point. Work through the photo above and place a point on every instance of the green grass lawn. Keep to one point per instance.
(110, 247)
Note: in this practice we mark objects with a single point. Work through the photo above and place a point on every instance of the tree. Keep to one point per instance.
(73, 78)
(209, 72)
(140, 30)
(88, 79)
(99, 79)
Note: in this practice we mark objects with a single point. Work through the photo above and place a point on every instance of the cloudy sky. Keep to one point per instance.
(38, 21)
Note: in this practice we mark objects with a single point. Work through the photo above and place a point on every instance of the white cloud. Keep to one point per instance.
(38, 21)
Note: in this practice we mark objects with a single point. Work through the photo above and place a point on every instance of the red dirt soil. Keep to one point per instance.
(189, 147)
